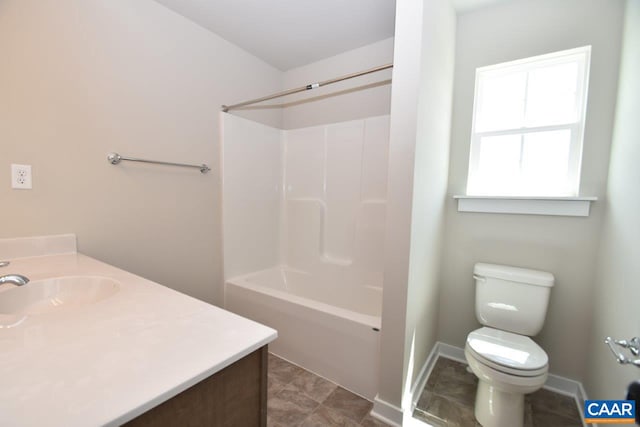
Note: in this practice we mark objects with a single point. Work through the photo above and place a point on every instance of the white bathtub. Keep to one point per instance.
(326, 325)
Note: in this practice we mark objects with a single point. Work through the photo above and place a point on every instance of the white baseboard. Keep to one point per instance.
(387, 412)
(439, 349)
(423, 376)
(451, 352)
(554, 383)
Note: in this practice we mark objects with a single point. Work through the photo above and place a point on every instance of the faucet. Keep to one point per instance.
(16, 279)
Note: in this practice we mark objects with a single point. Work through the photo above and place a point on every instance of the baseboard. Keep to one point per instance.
(564, 386)
(554, 383)
(581, 397)
(439, 349)
(387, 412)
(451, 352)
(423, 376)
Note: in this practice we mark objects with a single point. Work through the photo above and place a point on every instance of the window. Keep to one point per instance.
(527, 127)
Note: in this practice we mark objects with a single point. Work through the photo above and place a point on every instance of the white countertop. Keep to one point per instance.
(107, 362)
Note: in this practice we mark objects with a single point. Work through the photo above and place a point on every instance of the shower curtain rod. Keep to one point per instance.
(311, 86)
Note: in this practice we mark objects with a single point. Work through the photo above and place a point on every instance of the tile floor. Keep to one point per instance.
(448, 399)
(299, 398)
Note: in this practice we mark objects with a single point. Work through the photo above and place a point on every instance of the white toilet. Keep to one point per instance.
(511, 303)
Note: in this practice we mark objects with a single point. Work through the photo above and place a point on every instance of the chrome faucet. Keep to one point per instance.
(16, 279)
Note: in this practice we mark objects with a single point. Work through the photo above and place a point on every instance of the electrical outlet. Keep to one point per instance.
(21, 177)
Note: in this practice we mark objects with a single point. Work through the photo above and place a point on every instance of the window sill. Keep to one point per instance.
(560, 206)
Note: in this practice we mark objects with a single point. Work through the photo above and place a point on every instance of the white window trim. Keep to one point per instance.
(577, 128)
(559, 206)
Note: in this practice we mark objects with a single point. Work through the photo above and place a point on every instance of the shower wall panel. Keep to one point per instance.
(252, 181)
(335, 198)
(304, 215)
(312, 199)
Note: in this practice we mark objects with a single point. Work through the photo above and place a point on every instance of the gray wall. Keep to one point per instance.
(81, 78)
(617, 295)
(563, 246)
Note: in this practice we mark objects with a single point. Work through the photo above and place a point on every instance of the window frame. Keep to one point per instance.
(583, 57)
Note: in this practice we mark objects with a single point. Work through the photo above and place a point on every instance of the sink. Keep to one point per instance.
(56, 294)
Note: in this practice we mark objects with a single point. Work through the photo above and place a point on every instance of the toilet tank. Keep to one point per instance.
(512, 299)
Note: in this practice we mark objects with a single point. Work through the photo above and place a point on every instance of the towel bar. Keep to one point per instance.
(115, 158)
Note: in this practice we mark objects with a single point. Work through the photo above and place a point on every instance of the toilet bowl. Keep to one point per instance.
(511, 303)
(508, 366)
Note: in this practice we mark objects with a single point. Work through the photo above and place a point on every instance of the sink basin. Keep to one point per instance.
(61, 293)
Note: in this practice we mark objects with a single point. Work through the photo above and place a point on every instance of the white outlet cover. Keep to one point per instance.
(21, 177)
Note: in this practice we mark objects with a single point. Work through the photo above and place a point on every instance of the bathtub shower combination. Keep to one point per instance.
(303, 215)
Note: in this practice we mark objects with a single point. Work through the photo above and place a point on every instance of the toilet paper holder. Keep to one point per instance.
(633, 345)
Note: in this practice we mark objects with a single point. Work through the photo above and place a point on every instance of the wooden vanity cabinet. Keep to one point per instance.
(234, 396)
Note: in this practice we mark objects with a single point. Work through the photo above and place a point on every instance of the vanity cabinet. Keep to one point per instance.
(234, 396)
(104, 347)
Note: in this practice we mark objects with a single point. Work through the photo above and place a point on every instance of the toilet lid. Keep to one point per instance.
(507, 351)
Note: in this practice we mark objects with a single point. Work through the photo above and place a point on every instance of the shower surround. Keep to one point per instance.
(303, 218)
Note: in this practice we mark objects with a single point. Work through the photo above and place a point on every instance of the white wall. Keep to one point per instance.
(563, 246)
(252, 173)
(418, 159)
(615, 312)
(430, 182)
(361, 97)
(81, 78)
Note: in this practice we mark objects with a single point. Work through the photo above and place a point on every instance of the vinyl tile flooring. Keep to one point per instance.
(449, 395)
(297, 397)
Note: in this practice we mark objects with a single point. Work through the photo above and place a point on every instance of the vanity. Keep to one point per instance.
(87, 344)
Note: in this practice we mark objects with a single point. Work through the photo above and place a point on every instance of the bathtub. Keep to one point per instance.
(327, 325)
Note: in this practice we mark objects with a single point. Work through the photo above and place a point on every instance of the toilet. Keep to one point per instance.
(511, 304)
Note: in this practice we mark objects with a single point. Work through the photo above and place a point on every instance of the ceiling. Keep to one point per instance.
(291, 33)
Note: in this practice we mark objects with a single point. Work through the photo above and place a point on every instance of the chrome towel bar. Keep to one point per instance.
(115, 158)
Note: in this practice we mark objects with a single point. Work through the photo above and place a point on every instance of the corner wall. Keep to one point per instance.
(418, 160)
(564, 246)
(617, 291)
(82, 78)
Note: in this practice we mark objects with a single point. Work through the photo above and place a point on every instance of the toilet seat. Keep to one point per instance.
(507, 352)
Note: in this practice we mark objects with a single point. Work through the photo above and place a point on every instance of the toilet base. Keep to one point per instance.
(496, 408)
